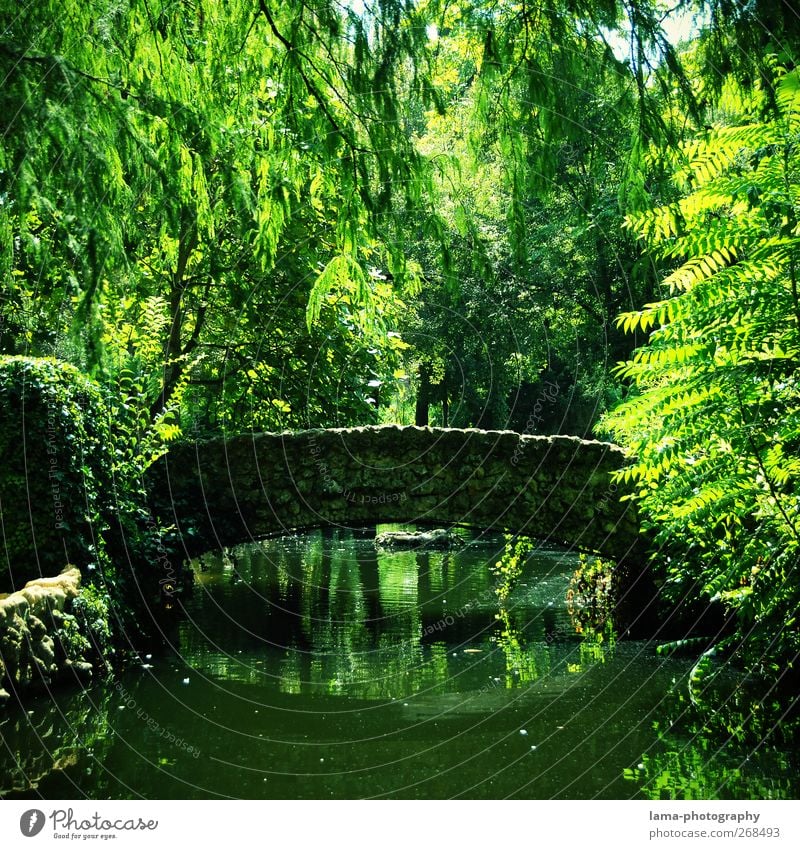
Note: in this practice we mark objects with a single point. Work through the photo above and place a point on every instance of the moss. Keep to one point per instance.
(71, 642)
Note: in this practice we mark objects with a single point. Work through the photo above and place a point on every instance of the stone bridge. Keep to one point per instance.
(557, 489)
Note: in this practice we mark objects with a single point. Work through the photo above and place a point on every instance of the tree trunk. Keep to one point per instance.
(422, 411)
(173, 344)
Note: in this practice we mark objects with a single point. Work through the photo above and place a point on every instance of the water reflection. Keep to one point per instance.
(52, 738)
(317, 666)
(348, 619)
(728, 737)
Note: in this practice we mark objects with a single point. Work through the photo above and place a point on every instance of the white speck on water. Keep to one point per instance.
(523, 732)
(533, 748)
(640, 766)
(185, 681)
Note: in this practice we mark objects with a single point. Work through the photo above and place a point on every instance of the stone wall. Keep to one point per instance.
(557, 489)
(41, 638)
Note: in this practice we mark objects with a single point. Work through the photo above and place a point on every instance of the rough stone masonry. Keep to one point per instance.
(557, 488)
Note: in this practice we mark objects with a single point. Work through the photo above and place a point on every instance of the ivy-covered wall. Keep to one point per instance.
(71, 493)
(54, 465)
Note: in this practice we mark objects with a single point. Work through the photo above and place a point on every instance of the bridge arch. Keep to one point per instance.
(558, 489)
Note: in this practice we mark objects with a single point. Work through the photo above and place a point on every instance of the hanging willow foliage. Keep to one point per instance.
(202, 154)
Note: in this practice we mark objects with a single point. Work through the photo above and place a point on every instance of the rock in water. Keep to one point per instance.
(440, 539)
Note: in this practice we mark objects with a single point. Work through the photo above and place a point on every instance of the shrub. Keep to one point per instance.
(71, 491)
(54, 451)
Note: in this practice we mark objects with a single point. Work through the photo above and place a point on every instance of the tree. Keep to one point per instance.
(534, 158)
(178, 161)
(715, 424)
(201, 166)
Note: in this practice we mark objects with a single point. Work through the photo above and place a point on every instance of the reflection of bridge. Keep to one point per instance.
(224, 491)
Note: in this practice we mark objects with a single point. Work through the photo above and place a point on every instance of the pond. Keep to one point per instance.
(317, 666)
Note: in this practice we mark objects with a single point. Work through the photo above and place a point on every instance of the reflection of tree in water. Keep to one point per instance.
(360, 616)
(336, 616)
(524, 663)
(692, 757)
(369, 644)
(340, 638)
(527, 644)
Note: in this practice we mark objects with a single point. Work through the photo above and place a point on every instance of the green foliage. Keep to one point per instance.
(205, 162)
(742, 42)
(522, 663)
(699, 729)
(71, 639)
(134, 374)
(244, 165)
(509, 568)
(92, 610)
(531, 154)
(71, 492)
(54, 445)
(251, 215)
(715, 424)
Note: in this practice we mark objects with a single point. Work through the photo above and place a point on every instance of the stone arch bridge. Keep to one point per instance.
(557, 489)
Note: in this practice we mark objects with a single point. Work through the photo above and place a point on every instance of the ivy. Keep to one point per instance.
(71, 492)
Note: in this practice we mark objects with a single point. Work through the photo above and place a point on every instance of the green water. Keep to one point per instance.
(314, 666)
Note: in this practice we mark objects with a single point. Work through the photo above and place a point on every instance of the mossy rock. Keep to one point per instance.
(439, 539)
